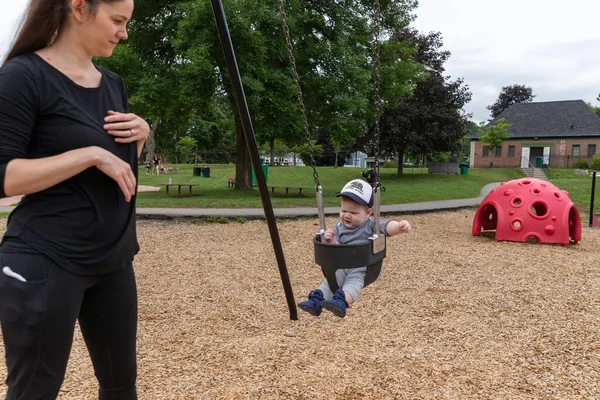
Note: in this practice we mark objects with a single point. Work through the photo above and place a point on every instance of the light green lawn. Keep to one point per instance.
(415, 186)
(579, 188)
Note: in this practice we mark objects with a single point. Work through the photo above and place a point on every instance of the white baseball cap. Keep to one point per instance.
(359, 191)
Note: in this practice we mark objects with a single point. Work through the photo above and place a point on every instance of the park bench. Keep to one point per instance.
(287, 188)
(178, 185)
(442, 168)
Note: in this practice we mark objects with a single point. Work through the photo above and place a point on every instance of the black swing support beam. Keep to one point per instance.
(242, 106)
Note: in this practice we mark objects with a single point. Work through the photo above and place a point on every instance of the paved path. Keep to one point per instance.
(304, 211)
(8, 201)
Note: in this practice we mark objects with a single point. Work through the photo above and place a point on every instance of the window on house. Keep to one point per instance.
(498, 151)
(511, 151)
(591, 150)
(486, 151)
(575, 150)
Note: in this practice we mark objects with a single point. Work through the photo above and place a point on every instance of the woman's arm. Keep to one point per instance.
(25, 176)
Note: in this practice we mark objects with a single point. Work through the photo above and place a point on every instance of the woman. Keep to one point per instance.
(68, 143)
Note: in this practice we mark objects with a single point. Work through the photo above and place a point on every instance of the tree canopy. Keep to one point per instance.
(430, 120)
(510, 95)
(175, 73)
(494, 135)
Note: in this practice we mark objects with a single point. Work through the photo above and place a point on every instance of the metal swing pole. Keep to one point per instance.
(240, 100)
(592, 199)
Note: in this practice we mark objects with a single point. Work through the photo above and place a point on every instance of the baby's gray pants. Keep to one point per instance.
(350, 280)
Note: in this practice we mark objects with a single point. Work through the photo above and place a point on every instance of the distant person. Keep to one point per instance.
(156, 163)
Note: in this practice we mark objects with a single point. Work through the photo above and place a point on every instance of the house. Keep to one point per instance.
(551, 133)
(356, 159)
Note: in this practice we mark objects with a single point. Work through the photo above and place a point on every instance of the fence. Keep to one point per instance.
(567, 161)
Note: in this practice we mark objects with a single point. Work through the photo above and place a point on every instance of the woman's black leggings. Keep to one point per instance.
(38, 319)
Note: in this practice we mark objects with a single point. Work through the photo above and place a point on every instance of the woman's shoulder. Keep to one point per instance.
(25, 63)
(109, 74)
(21, 73)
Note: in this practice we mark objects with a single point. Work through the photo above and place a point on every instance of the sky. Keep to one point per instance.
(550, 45)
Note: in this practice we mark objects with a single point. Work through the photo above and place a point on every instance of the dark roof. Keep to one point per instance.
(551, 119)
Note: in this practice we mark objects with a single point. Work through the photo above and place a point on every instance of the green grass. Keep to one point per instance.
(415, 186)
(579, 188)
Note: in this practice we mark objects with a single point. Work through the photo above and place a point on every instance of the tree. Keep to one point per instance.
(175, 71)
(511, 95)
(332, 46)
(472, 130)
(596, 110)
(494, 135)
(276, 151)
(303, 151)
(430, 120)
(186, 145)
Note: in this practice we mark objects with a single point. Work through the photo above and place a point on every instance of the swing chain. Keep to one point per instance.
(301, 106)
(376, 97)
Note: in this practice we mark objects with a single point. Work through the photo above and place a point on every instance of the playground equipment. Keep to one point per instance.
(527, 208)
(242, 107)
(594, 218)
(371, 253)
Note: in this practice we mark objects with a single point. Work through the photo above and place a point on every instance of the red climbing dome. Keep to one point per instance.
(529, 207)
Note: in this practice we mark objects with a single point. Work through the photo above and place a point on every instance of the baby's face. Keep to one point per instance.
(353, 214)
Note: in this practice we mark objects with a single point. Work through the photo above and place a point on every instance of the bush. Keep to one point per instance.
(596, 162)
(581, 164)
(390, 164)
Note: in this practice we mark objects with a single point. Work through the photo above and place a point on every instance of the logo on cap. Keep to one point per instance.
(356, 185)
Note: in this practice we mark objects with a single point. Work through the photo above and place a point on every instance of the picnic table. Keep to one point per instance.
(179, 185)
(287, 188)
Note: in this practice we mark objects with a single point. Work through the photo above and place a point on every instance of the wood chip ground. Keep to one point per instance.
(454, 316)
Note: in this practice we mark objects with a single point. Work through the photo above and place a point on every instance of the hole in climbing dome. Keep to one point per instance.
(539, 209)
(516, 202)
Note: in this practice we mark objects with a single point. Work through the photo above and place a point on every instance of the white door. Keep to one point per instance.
(472, 154)
(525, 157)
(546, 155)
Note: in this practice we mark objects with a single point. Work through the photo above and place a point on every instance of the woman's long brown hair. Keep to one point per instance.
(43, 23)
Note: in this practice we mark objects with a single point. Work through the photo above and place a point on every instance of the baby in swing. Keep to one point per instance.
(355, 226)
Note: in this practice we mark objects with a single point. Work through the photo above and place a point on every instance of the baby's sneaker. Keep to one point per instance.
(337, 304)
(313, 304)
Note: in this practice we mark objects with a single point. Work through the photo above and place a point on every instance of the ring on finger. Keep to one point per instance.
(131, 131)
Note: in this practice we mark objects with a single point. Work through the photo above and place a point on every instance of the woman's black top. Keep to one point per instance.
(84, 223)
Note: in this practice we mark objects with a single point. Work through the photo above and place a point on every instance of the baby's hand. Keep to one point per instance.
(404, 226)
(328, 237)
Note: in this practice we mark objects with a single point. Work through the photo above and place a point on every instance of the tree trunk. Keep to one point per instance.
(400, 162)
(243, 164)
(177, 151)
(272, 148)
(335, 164)
(150, 142)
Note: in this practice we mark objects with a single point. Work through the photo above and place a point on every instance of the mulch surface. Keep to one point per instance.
(454, 316)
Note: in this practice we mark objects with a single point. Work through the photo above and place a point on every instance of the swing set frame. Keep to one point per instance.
(329, 257)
